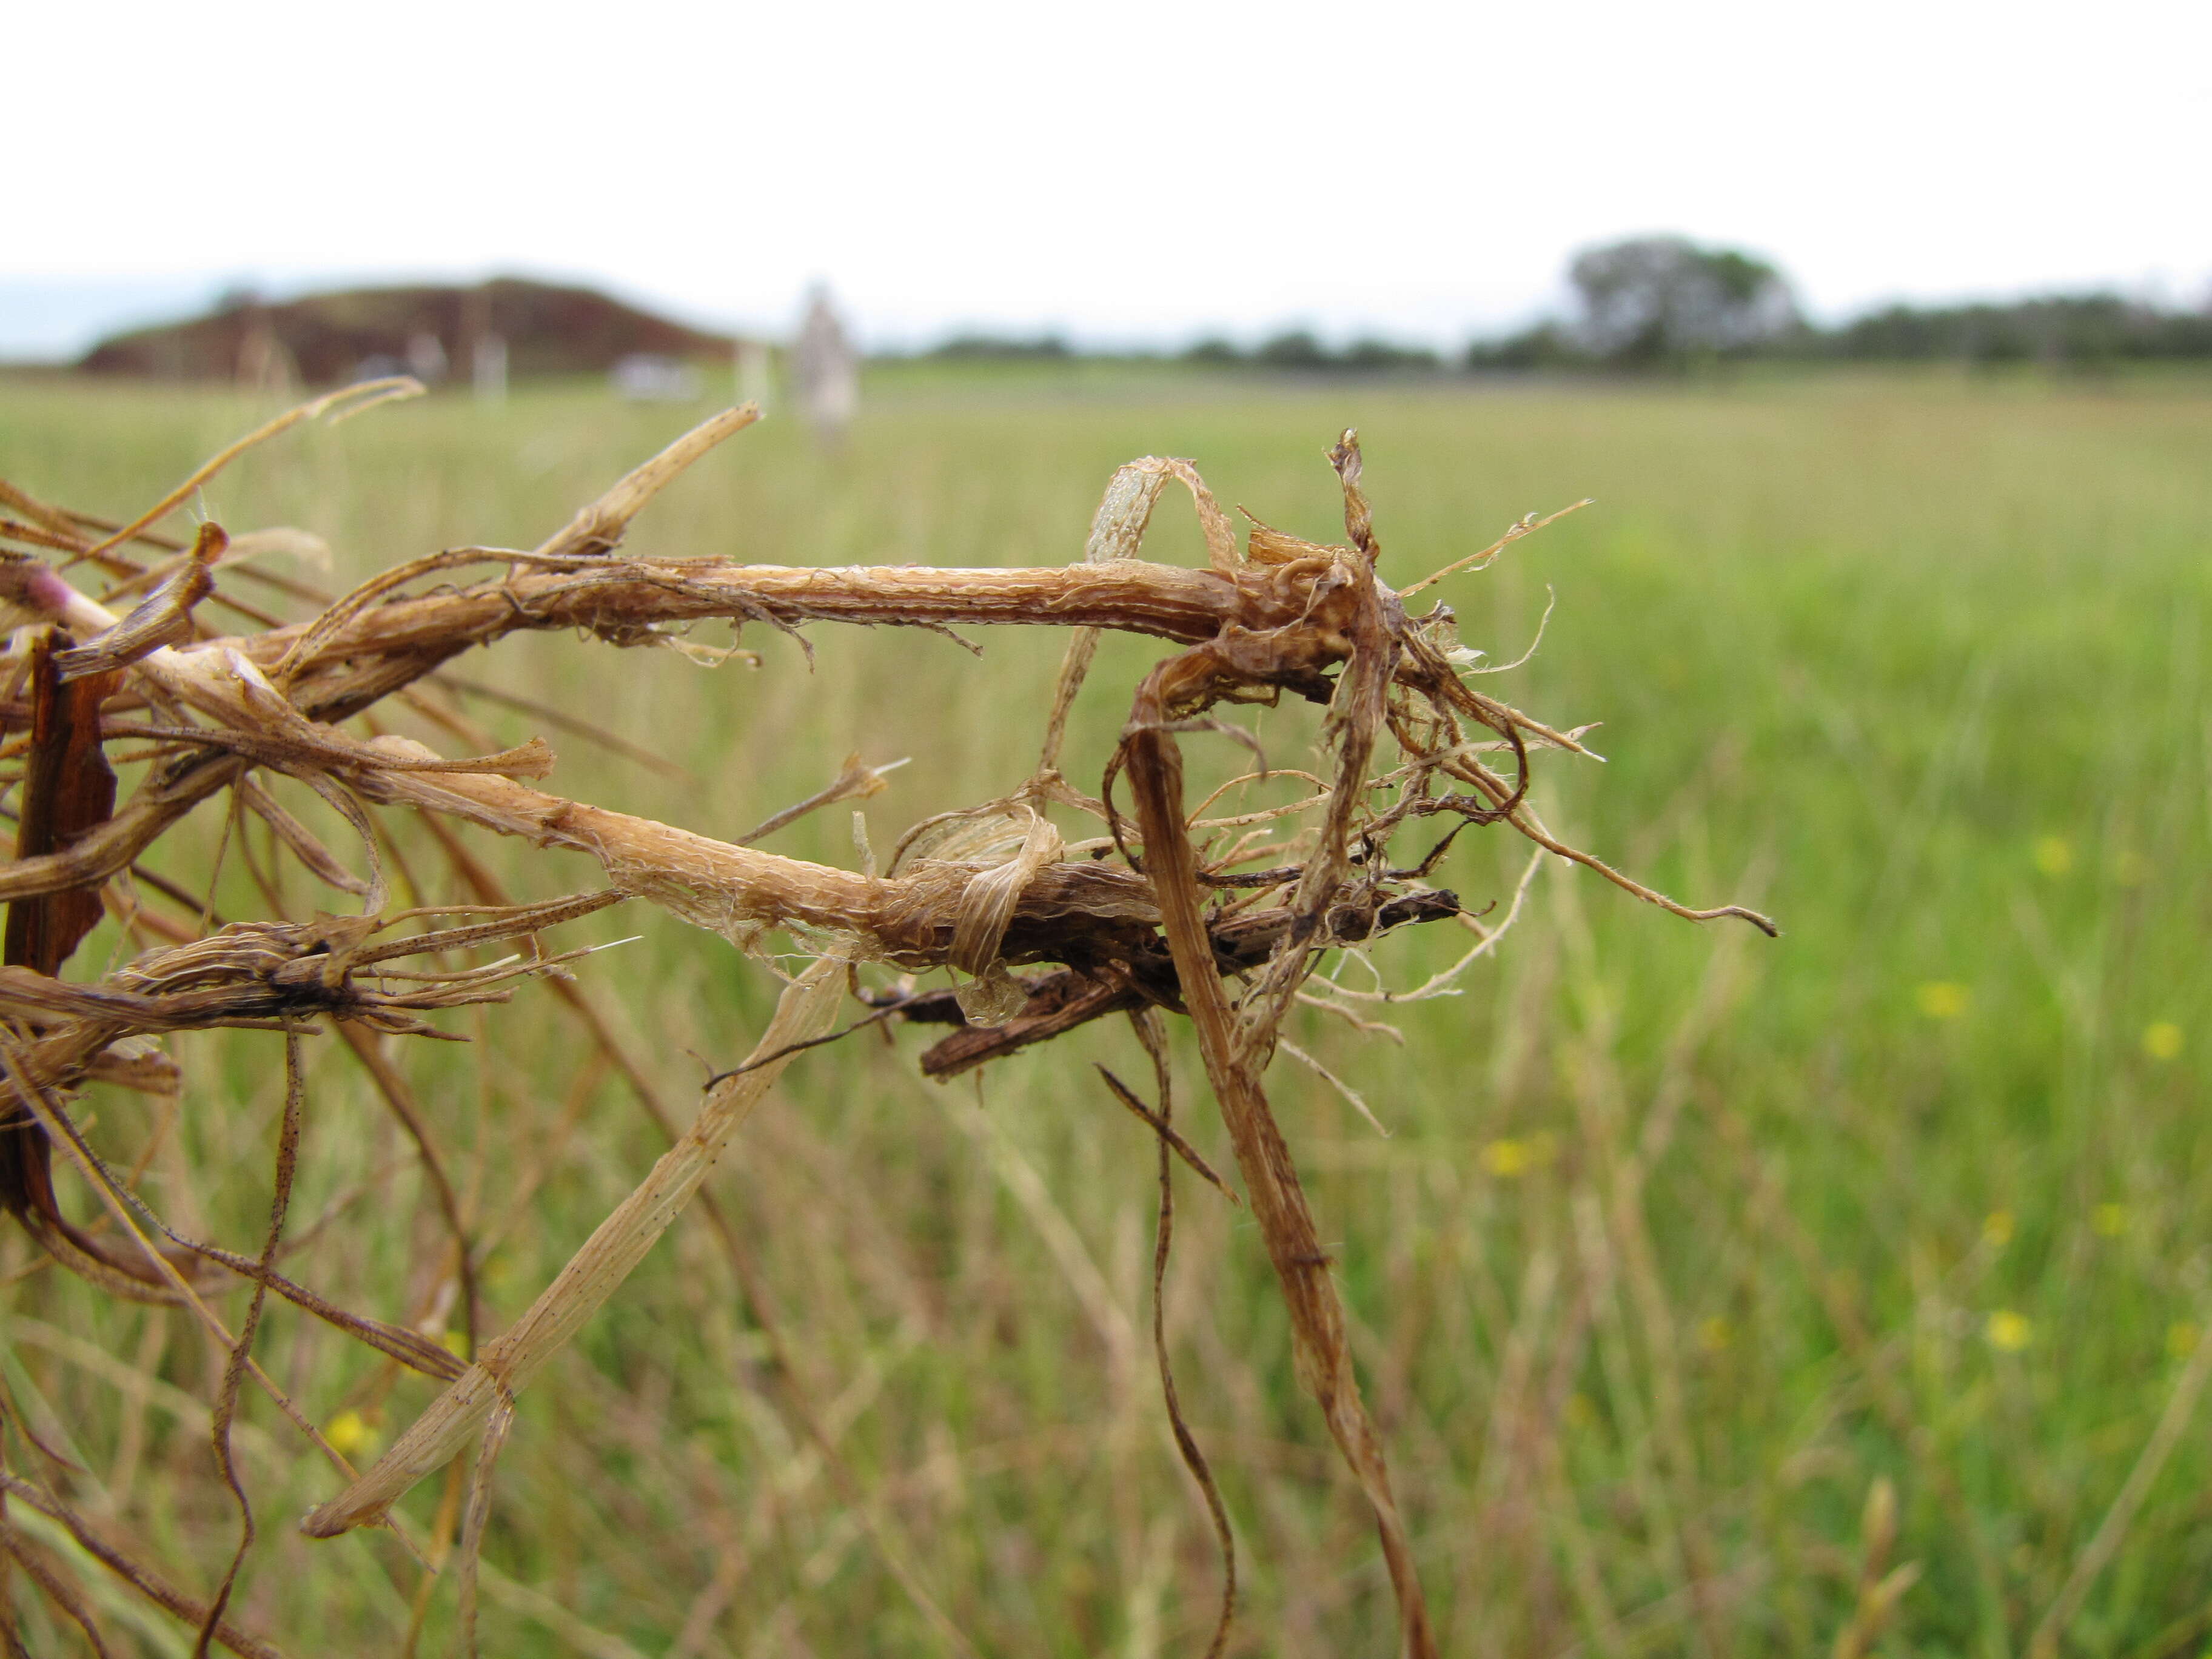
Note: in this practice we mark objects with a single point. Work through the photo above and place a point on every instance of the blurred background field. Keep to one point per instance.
(1683, 1243)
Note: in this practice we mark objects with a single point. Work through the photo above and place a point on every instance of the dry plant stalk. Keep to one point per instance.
(1173, 923)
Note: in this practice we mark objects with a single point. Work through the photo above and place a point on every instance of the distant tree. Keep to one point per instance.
(1660, 301)
(1043, 347)
(1298, 349)
(1655, 300)
(1214, 352)
(1383, 357)
(2075, 330)
(1299, 352)
(1547, 345)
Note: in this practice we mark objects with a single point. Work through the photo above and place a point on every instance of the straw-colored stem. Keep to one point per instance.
(607, 1258)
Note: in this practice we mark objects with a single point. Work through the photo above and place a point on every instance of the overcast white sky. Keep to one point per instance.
(1124, 172)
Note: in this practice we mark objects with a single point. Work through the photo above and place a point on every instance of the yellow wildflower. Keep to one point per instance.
(1997, 1228)
(2162, 1039)
(2054, 855)
(2009, 1332)
(1715, 1334)
(349, 1433)
(1942, 999)
(2108, 1220)
(1507, 1158)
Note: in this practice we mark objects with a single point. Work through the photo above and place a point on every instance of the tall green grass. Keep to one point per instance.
(1682, 1240)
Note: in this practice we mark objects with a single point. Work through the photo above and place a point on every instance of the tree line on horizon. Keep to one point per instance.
(1662, 304)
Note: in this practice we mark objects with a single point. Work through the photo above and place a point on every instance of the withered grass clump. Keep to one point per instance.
(1162, 910)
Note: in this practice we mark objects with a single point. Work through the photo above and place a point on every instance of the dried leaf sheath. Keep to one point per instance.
(68, 788)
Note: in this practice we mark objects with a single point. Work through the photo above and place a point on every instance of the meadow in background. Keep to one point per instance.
(1687, 1246)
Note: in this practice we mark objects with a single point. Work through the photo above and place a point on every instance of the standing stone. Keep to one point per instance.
(825, 370)
(426, 356)
(488, 369)
(484, 346)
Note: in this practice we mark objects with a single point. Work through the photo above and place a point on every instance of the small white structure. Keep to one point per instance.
(488, 369)
(646, 377)
(825, 370)
(484, 346)
(426, 357)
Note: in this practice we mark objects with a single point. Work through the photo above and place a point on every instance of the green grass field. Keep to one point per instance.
(1683, 1240)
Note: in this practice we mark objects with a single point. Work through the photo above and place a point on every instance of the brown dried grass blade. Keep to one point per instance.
(1357, 714)
(233, 1374)
(117, 1203)
(163, 618)
(505, 920)
(33, 535)
(334, 616)
(882, 1530)
(320, 862)
(1149, 1033)
(297, 747)
(470, 1551)
(1117, 531)
(1160, 1126)
(167, 795)
(52, 519)
(600, 526)
(1323, 1352)
(1526, 527)
(151, 1585)
(392, 1083)
(561, 720)
(55, 1588)
(853, 782)
(508, 1362)
(364, 396)
(411, 1348)
(1350, 1096)
(1523, 819)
